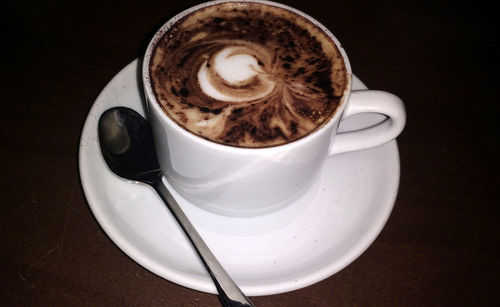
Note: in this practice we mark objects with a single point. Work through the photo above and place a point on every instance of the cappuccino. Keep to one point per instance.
(247, 74)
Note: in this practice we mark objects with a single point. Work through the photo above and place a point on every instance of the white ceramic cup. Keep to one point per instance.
(251, 181)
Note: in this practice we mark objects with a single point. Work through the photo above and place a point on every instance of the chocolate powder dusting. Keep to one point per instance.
(299, 81)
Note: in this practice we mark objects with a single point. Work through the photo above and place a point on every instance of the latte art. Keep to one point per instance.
(247, 75)
(234, 75)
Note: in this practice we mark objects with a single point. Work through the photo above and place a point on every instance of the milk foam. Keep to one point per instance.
(236, 69)
(234, 66)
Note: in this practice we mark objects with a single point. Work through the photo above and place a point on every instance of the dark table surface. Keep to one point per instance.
(440, 245)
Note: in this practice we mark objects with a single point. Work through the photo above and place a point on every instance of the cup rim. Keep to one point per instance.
(154, 103)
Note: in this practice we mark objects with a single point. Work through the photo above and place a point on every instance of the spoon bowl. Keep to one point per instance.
(127, 145)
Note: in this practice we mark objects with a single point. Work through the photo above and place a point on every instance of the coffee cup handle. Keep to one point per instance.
(370, 101)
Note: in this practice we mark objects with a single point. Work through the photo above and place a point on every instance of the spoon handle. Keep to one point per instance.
(229, 293)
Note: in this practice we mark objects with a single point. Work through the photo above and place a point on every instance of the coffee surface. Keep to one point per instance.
(247, 74)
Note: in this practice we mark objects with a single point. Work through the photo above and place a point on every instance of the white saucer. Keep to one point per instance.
(312, 239)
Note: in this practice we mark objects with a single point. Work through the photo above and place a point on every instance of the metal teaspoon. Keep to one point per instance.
(128, 148)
